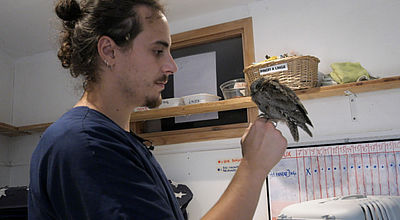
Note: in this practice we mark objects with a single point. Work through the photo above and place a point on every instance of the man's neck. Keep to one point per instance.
(113, 108)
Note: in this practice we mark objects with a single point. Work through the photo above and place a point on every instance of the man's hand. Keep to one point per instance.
(262, 146)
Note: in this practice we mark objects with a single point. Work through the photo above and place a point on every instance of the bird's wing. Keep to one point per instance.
(289, 93)
(291, 101)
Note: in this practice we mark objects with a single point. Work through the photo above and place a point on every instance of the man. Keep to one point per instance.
(88, 165)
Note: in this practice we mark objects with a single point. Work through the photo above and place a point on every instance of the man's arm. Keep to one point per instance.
(262, 147)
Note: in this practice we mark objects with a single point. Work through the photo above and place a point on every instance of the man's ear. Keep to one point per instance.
(106, 48)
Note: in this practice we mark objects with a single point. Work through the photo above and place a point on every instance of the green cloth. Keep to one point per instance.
(348, 72)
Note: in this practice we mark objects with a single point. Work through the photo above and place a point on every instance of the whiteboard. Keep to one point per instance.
(308, 173)
(207, 174)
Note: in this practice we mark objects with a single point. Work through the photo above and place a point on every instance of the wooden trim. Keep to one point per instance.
(248, 42)
(224, 105)
(34, 128)
(8, 130)
(11, 131)
(7, 127)
(196, 134)
(252, 112)
(203, 40)
(239, 28)
(137, 127)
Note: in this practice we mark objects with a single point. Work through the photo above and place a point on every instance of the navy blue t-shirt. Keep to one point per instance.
(87, 167)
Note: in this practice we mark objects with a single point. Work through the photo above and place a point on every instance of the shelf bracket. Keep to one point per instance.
(352, 101)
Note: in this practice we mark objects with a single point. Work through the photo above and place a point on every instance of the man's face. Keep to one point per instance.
(145, 67)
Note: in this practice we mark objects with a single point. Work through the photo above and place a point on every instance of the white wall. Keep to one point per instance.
(6, 87)
(334, 31)
(226, 15)
(4, 161)
(20, 152)
(357, 31)
(365, 31)
(43, 92)
(43, 89)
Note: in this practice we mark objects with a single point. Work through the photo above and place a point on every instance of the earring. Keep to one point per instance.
(128, 36)
(107, 64)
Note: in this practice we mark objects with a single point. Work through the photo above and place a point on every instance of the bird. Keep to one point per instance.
(277, 102)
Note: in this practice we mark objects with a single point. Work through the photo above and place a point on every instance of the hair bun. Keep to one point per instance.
(68, 10)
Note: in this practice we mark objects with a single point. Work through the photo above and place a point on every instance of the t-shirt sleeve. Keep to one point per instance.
(100, 178)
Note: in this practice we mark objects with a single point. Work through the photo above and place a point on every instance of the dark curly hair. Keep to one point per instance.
(85, 22)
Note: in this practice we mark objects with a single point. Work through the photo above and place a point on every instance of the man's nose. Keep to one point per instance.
(170, 66)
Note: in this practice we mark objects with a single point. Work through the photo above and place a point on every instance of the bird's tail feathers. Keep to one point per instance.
(305, 128)
(293, 130)
(309, 122)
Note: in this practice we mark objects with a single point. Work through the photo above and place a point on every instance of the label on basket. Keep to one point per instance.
(273, 69)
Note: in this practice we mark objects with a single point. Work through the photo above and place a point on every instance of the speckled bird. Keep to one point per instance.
(278, 102)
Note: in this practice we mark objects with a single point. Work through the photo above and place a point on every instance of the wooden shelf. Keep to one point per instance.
(224, 105)
(196, 134)
(8, 130)
(356, 87)
(34, 128)
(245, 102)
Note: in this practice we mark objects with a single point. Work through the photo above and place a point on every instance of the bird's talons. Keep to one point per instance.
(262, 115)
(275, 123)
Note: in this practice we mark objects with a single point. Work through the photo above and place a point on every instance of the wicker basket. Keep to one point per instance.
(298, 72)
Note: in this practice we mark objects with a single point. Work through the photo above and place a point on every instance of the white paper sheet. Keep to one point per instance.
(196, 74)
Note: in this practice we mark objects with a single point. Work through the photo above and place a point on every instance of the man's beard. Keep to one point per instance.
(153, 102)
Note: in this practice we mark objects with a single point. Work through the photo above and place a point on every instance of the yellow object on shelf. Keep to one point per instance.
(348, 72)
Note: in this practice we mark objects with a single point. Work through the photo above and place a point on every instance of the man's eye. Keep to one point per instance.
(158, 52)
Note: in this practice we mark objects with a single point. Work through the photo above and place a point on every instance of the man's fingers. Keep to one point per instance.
(246, 132)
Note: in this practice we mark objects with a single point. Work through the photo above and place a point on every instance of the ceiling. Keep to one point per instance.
(30, 26)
